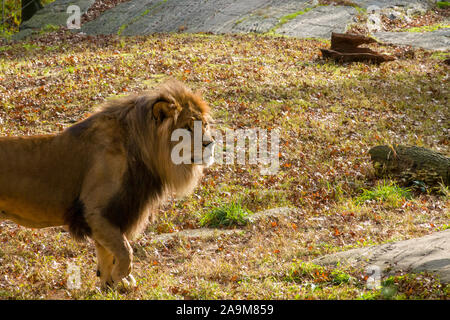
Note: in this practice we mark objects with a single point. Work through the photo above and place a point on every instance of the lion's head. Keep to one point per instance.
(183, 123)
(171, 133)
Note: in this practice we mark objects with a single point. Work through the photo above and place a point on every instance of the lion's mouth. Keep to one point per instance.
(206, 161)
(207, 158)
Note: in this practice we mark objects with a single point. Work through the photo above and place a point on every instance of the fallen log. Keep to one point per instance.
(345, 48)
(347, 42)
(411, 164)
(356, 57)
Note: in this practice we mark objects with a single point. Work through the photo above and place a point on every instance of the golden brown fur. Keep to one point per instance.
(102, 176)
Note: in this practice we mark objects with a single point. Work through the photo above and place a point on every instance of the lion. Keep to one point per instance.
(103, 176)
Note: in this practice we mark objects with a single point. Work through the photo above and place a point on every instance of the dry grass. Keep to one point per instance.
(329, 115)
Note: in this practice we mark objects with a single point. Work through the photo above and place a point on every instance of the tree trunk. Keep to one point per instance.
(29, 8)
(411, 164)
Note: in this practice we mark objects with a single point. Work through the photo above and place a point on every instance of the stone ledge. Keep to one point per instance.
(429, 253)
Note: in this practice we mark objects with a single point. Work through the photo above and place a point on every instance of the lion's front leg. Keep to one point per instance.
(105, 263)
(114, 253)
(114, 256)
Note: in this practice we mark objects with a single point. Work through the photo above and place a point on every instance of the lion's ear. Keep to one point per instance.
(164, 109)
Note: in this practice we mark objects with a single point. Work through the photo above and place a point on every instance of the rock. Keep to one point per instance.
(119, 18)
(392, 3)
(227, 16)
(320, 22)
(435, 40)
(55, 13)
(429, 253)
(415, 9)
(22, 35)
(141, 17)
(272, 214)
(393, 16)
(202, 233)
(268, 18)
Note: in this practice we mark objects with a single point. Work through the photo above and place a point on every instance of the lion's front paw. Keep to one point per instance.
(129, 282)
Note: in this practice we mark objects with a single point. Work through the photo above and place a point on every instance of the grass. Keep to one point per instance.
(293, 15)
(441, 55)
(406, 286)
(227, 215)
(300, 271)
(285, 19)
(48, 28)
(385, 192)
(328, 116)
(430, 28)
(443, 4)
(135, 19)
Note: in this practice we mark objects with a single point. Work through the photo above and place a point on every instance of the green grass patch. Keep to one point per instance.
(240, 21)
(339, 277)
(227, 215)
(48, 28)
(440, 55)
(301, 271)
(293, 15)
(431, 28)
(307, 271)
(287, 18)
(443, 4)
(385, 192)
(143, 14)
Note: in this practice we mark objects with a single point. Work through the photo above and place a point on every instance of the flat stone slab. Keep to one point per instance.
(430, 253)
(319, 22)
(272, 214)
(217, 16)
(435, 40)
(56, 13)
(391, 3)
(202, 233)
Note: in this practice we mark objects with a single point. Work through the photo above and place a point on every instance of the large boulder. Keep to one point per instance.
(394, 3)
(434, 40)
(430, 253)
(55, 14)
(224, 16)
(319, 22)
